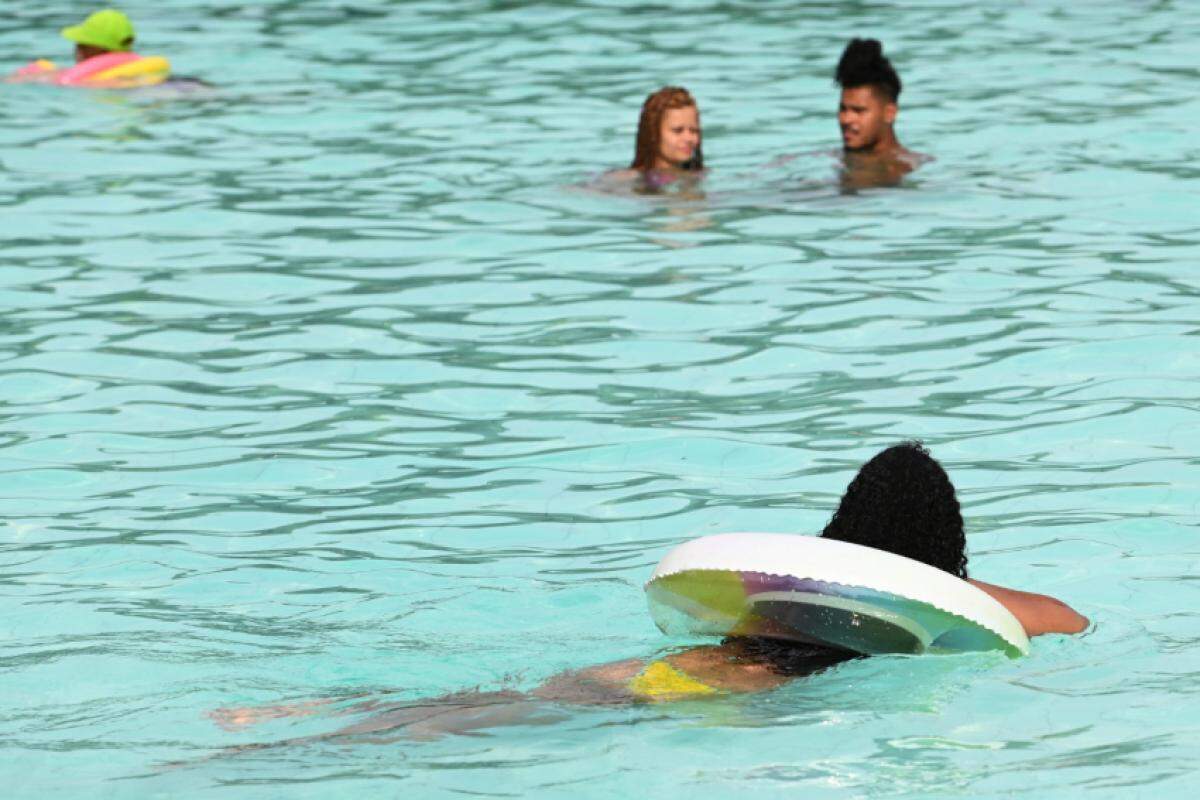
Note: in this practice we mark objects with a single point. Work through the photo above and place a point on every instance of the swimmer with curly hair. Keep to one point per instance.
(872, 156)
(901, 501)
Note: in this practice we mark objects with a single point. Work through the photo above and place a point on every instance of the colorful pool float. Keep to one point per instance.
(821, 591)
(122, 70)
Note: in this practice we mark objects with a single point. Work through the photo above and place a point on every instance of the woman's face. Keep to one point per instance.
(678, 137)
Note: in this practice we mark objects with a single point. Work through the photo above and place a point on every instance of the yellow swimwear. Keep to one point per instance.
(661, 681)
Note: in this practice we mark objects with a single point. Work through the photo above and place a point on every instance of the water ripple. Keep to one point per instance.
(344, 376)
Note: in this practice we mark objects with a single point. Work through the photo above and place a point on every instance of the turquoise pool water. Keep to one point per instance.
(339, 379)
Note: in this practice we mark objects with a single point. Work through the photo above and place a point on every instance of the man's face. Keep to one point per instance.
(865, 118)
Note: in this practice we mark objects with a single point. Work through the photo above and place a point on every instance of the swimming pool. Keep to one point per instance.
(337, 379)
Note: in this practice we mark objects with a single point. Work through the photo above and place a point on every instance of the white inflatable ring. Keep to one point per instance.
(809, 589)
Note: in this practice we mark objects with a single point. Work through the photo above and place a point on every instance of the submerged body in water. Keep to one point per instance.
(901, 501)
(685, 185)
(876, 171)
(736, 666)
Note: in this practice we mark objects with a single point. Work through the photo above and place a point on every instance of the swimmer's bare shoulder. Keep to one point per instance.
(1037, 613)
(878, 171)
(912, 159)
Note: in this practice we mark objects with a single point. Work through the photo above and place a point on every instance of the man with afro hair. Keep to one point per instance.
(873, 156)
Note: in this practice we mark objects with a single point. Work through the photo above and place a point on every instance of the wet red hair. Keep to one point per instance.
(650, 126)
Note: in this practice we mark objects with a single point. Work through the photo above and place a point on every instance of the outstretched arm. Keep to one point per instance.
(1037, 613)
(235, 718)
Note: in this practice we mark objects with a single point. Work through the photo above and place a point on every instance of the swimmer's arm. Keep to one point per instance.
(1037, 613)
(234, 718)
(237, 717)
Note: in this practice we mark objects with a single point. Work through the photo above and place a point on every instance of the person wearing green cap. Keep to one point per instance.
(104, 57)
(107, 31)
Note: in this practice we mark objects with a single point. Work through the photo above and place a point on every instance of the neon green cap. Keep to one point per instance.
(109, 29)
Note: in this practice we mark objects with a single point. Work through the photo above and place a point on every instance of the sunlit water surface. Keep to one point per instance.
(338, 378)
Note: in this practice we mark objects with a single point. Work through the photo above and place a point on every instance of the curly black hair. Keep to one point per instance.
(786, 658)
(902, 501)
(863, 64)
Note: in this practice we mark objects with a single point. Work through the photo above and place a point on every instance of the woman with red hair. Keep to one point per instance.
(668, 136)
(668, 139)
